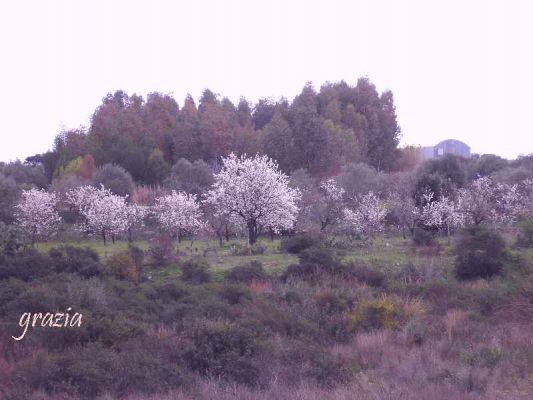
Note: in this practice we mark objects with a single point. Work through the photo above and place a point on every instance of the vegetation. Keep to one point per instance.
(324, 264)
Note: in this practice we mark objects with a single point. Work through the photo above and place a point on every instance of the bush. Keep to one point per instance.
(367, 275)
(328, 370)
(161, 250)
(480, 253)
(224, 351)
(235, 294)
(195, 271)
(319, 256)
(82, 261)
(525, 236)
(247, 273)
(422, 237)
(138, 256)
(296, 243)
(122, 266)
(334, 303)
(11, 239)
(375, 314)
(26, 265)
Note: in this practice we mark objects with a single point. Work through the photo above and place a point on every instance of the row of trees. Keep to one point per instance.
(252, 194)
(318, 131)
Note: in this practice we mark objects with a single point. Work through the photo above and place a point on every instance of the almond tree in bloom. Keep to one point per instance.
(135, 215)
(105, 213)
(442, 214)
(178, 213)
(368, 216)
(254, 193)
(488, 202)
(329, 208)
(36, 213)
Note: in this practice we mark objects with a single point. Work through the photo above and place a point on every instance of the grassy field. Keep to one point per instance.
(387, 253)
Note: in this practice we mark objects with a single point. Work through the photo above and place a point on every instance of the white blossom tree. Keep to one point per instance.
(329, 208)
(105, 213)
(135, 215)
(255, 193)
(442, 214)
(178, 212)
(367, 218)
(487, 202)
(36, 214)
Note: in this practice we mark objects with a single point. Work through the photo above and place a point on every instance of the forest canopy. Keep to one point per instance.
(319, 131)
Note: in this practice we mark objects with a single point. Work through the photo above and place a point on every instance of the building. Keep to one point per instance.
(450, 146)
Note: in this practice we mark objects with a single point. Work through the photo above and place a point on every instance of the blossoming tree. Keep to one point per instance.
(105, 213)
(368, 216)
(178, 213)
(37, 215)
(254, 193)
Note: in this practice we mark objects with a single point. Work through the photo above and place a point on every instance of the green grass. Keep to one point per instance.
(388, 253)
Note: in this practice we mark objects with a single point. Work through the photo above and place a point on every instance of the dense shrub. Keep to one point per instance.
(162, 250)
(375, 314)
(195, 271)
(314, 263)
(296, 243)
(235, 294)
(423, 237)
(26, 265)
(82, 261)
(247, 273)
(137, 254)
(225, 351)
(122, 266)
(333, 302)
(11, 239)
(480, 253)
(328, 370)
(366, 274)
(525, 236)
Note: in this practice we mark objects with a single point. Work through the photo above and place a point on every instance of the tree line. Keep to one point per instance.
(319, 131)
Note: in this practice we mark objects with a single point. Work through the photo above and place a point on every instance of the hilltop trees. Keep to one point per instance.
(254, 193)
(36, 213)
(318, 130)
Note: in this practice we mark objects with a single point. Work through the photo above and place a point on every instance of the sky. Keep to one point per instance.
(458, 69)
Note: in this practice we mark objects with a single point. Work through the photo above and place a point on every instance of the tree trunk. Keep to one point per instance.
(130, 236)
(252, 232)
(104, 238)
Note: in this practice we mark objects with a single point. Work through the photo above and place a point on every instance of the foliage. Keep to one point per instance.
(178, 212)
(122, 266)
(106, 214)
(37, 215)
(480, 253)
(195, 271)
(367, 218)
(162, 250)
(82, 261)
(375, 314)
(9, 194)
(255, 193)
(247, 273)
(423, 237)
(525, 237)
(194, 178)
(294, 244)
(115, 178)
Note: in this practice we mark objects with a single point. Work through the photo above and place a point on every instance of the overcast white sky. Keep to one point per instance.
(458, 69)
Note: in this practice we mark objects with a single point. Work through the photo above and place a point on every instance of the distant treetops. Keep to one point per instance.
(318, 131)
